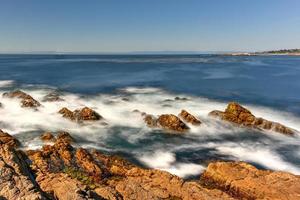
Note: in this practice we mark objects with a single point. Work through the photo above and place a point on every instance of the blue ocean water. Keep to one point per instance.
(265, 80)
(115, 85)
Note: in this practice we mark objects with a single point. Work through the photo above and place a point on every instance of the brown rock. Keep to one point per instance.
(65, 136)
(26, 99)
(47, 136)
(84, 114)
(189, 118)
(172, 122)
(15, 182)
(150, 120)
(7, 139)
(244, 181)
(66, 113)
(237, 114)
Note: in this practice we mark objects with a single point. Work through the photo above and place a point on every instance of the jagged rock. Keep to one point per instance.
(7, 139)
(47, 136)
(244, 181)
(172, 122)
(80, 114)
(26, 99)
(52, 97)
(65, 136)
(189, 118)
(237, 114)
(15, 182)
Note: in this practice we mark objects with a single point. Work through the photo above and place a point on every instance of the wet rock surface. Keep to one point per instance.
(47, 137)
(8, 140)
(189, 118)
(66, 171)
(244, 181)
(169, 122)
(84, 114)
(172, 122)
(26, 99)
(237, 114)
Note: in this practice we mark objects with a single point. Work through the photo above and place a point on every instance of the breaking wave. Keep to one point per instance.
(126, 132)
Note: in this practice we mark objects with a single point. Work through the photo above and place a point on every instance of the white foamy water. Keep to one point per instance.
(167, 161)
(6, 83)
(126, 131)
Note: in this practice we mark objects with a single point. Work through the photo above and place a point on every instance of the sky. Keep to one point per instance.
(148, 25)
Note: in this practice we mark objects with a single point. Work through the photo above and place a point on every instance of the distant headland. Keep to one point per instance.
(289, 52)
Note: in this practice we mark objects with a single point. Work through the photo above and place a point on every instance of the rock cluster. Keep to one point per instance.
(63, 171)
(84, 114)
(171, 122)
(237, 114)
(26, 99)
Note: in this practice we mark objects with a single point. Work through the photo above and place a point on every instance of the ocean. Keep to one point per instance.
(115, 85)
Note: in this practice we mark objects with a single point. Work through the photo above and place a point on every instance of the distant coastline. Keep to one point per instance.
(287, 52)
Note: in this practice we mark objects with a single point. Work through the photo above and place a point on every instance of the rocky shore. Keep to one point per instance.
(63, 170)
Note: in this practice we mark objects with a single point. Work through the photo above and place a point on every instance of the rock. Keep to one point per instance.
(26, 99)
(172, 122)
(244, 181)
(15, 178)
(47, 136)
(180, 98)
(187, 117)
(84, 114)
(7, 139)
(150, 120)
(52, 97)
(1, 106)
(237, 114)
(65, 136)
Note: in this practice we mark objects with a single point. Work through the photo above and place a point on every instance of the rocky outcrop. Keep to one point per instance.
(7, 139)
(244, 181)
(84, 114)
(26, 99)
(52, 97)
(169, 122)
(239, 115)
(189, 118)
(64, 171)
(15, 178)
(172, 122)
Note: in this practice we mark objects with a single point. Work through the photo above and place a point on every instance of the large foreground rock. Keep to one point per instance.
(237, 114)
(84, 114)
(15, 178)
(244, 181)
(26, 99)
(93, 175)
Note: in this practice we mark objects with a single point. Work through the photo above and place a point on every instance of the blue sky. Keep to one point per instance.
(148, 25)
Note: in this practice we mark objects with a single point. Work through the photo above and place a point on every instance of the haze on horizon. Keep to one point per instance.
(156, 25)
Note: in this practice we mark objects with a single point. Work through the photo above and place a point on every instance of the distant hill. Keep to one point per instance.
(282, 51)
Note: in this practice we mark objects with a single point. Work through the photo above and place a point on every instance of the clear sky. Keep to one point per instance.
(148, 25)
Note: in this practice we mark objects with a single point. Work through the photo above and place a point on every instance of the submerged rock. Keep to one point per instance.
(244, 181)
(84, 114)
(237, 114)
(172, 122)
(151, 121)
(26, 99)
(189, 118)
(52, 97)
(47, 136)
